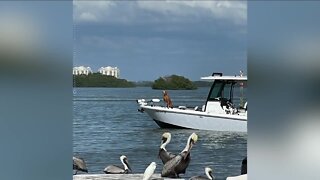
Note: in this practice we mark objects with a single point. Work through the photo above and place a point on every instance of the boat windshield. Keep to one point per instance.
(232, 91)
(216, 90)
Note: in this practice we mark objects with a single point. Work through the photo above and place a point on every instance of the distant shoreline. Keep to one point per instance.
(137, 86)
(97, 80)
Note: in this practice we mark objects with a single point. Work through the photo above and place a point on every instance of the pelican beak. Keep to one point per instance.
(190, 145)
(210, 173)
(188, 154)
(127, 163)
(159, 152)
(129, 167)
(163, 140)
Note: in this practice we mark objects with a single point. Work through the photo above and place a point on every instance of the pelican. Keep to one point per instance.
(244, 166)
(209, 175)
(79, 165)
(241, 177)
(149, 171)
(164, 155)
(167, 99)
(179, 163)
(112, 169)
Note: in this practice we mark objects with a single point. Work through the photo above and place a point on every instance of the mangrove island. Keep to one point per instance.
(99, 80)
(173, 82)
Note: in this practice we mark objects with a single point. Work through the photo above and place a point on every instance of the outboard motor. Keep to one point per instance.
(141, 102)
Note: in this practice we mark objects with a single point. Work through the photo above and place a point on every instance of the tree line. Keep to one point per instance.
(173, 82)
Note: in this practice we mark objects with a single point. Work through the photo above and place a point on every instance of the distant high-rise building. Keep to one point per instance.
(110, 71)
(81, 70)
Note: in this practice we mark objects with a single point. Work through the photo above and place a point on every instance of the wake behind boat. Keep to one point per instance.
(224, 110)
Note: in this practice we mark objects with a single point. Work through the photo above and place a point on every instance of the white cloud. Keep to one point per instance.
(231, 10)
(117, 11)
(87, 16)
(91, 10)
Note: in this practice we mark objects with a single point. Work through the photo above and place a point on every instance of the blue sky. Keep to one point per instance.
(149, 39)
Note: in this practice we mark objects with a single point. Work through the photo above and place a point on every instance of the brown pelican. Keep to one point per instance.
(244, 166)
(241, 177)
(209, 175)
(112, 169)
(164, 155)
(179, 163)
(167, 99)
(149, 171)
(79, 165)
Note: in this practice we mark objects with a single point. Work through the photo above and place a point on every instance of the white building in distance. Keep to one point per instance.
(81, 70)
(110, 71)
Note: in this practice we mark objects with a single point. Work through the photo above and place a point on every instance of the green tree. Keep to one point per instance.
(99, 80)
(173, 82)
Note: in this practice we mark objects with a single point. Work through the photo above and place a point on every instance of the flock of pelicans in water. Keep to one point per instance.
(173, 165)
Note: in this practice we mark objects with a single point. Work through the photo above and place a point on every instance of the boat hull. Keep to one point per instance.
(190, 119)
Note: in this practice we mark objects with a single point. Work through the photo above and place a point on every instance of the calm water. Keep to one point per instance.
(107, 124)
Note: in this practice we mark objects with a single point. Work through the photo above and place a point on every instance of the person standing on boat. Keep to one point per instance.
(167, 99)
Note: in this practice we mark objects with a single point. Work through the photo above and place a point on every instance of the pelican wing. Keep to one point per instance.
(169, 168)
(171, 155)
(165, 156)
(112, 169)
(79, 164)
(183, 164)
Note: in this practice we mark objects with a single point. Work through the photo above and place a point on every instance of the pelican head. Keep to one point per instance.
(209, 172)
(166, 138)
(125, 162)
(164, 92)
(193, 138)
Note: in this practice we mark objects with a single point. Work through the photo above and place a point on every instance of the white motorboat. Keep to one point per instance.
(224, 110)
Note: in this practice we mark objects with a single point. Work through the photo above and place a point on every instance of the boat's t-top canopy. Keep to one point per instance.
(219, 76)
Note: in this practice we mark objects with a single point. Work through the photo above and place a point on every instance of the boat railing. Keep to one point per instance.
(153, 102)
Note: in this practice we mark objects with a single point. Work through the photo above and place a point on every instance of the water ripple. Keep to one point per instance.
(107, 124)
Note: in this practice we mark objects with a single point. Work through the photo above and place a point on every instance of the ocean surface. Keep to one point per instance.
(106, 125)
